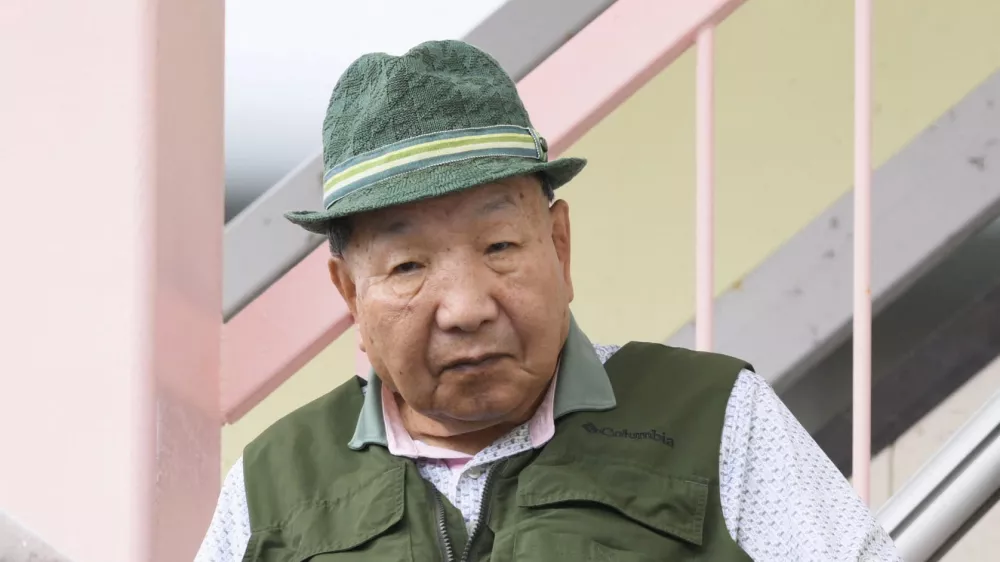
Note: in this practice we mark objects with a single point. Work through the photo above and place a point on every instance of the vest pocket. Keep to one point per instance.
(615, 510)
(353, 525)
(558, 547)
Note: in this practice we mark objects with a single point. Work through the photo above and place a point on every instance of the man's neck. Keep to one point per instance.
(447, 436)
(469, 443)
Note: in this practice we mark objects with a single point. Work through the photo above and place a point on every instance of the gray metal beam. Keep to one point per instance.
(260, 246)
(795, 308)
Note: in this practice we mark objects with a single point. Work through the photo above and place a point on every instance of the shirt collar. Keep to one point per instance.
(583, 385)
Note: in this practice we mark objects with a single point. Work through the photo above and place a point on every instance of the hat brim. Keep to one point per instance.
(435, 182)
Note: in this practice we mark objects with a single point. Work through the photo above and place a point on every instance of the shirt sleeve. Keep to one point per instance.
(229, 533)
(782, 497)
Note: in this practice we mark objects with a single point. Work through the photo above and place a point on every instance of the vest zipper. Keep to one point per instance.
(484, 510)
(484, 514)
(444, 541)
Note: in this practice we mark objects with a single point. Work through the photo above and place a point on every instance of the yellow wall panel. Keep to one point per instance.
(784, 146)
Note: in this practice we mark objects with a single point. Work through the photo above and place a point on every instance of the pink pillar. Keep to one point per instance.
(862, 407)
(111, 149)
(705, 199)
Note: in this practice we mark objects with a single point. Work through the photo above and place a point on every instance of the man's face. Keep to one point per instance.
(463, 301)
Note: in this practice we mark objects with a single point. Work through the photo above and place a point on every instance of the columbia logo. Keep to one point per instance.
(651, 434)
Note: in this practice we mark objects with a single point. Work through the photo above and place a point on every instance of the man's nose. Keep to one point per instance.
(466, 300)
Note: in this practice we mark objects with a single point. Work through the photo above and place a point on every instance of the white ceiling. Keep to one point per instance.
(283, 59)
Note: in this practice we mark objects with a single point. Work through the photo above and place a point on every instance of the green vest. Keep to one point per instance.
(637, 483)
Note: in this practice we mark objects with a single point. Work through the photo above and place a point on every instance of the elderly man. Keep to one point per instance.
(490, 427)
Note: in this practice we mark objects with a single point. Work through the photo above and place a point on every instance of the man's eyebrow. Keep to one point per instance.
(392, 227)
(500, 202)
(395, 227)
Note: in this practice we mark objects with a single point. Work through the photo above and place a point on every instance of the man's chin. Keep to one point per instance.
(481, 417)
(482, 407)
(467, 418)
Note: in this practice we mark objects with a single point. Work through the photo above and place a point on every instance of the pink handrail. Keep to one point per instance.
(705, 180)
(861, 469)
(704, 227)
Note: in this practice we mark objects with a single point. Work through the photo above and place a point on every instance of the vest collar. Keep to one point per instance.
(583, 385)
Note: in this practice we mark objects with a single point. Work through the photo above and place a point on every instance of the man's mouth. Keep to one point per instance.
(473, 362)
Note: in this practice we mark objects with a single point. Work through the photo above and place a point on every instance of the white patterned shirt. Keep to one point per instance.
(783, 500)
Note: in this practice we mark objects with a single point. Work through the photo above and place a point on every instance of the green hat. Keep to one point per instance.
(442, 118)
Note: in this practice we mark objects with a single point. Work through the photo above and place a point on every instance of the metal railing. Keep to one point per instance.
(950, 492)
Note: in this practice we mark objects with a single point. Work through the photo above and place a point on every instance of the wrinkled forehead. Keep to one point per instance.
(517, 199)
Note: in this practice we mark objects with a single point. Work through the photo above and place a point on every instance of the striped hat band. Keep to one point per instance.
(429, 150)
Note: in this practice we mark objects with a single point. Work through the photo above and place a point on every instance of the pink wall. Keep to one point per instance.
(111, 151)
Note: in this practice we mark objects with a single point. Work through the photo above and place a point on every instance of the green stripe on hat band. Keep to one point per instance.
(424, 139)
(429, 150)
(418, 151)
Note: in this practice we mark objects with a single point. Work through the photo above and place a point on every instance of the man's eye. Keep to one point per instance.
(498, 247)
(407, 267)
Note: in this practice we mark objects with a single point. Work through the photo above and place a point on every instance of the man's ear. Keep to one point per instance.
(340, 275)
(559, 215)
